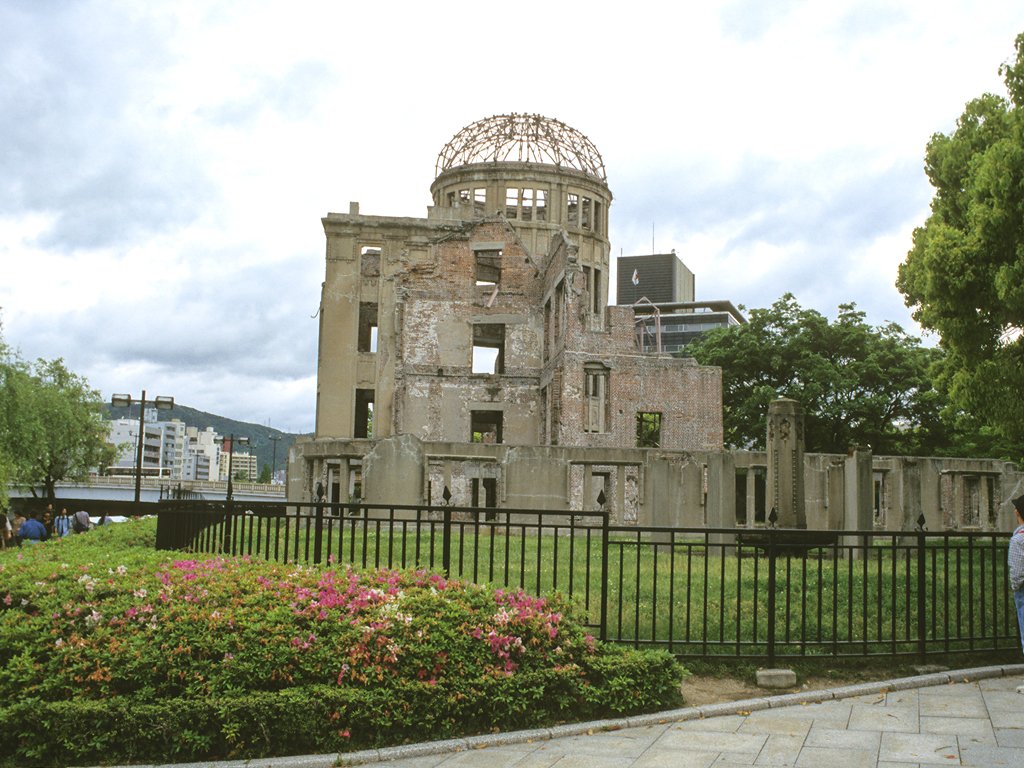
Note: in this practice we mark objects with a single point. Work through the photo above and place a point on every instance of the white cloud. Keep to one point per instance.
(168, 163)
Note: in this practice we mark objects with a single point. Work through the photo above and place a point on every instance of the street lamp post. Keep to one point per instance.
(125, 401)
(273, 464)
(230, 441)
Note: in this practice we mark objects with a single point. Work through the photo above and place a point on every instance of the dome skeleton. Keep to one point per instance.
(524, 139)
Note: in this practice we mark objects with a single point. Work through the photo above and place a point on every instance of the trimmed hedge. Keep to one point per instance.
(112, 653)
(326, 719)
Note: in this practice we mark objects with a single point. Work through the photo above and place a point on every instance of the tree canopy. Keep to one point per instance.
(964, 276)
(858, 385)
(51, 425)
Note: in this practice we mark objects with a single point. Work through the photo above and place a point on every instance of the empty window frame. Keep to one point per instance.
(489, 348)
(595, 398)
(526, 204)
(488, 268)
(364, 413)
(540, 205)
(512, 202)
(648, 429)
(580, 211)
(367, 326)
(485, 426)
(476, 197)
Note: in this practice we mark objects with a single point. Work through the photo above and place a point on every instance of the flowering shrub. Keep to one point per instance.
(219, 656)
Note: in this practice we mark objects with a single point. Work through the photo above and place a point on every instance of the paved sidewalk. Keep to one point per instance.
(968, 717)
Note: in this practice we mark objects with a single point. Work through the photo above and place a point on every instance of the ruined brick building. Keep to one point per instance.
(474, 349)
(484, 329)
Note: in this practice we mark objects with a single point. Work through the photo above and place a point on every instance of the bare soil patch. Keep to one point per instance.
(699, 690)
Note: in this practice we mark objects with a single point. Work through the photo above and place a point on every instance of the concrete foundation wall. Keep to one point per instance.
(665, 488)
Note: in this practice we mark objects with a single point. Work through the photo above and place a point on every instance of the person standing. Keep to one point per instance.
(62, 523)
(1015, 559)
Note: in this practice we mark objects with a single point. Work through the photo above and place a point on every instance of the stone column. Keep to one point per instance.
(785, 445)
(751, 496)
(721, 503)
(859, 495)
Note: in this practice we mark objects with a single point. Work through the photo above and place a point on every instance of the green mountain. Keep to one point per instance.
(260, 437)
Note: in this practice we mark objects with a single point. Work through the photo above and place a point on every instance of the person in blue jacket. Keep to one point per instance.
(32, 531)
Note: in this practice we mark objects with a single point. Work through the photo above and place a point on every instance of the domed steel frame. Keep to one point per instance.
(524, 139)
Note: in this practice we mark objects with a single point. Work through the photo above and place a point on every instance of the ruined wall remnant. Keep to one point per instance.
(785, 445)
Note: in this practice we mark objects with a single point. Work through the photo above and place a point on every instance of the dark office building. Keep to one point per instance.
(659, 278)
(670, 318)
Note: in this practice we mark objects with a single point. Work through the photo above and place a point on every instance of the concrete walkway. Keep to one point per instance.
(969, 717)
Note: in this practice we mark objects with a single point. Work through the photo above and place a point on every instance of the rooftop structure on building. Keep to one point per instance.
(662, 292)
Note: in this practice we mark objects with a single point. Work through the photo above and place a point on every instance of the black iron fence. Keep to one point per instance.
(765, 593)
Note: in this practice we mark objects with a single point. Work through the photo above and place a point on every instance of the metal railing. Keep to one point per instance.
(765, 593)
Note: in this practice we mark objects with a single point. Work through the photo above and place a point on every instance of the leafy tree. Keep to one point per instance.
(265, 476)
(14, 383)
(857, 384)
(964, 276)
(51, 423)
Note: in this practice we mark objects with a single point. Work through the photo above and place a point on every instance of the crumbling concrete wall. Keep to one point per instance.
(652, 487)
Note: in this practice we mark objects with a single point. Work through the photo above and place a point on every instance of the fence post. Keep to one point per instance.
(318, 521)
(773, 517)
(922, 619)
(604, 568)
(446, 532)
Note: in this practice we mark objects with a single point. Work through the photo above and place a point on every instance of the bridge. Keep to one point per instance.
(122, 489)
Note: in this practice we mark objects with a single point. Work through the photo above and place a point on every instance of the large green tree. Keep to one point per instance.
(858, 385)
(964, 276)
(51, 425)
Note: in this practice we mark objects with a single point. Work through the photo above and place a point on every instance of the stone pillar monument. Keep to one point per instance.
(786, 463)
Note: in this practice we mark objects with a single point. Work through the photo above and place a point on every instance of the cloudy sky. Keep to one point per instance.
(164, 165)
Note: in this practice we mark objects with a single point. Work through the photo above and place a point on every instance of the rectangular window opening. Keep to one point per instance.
(541, 205)
(511, 203)
(585, 220)
(595, 391)
(485, 426)
(489, 348)
(648, 429)
(364, 413)
(526, 209)
(479, 200)
(572, 217)
(367, 326)
(488, 268)
(595, 292)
